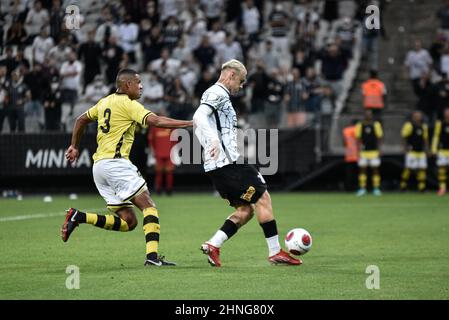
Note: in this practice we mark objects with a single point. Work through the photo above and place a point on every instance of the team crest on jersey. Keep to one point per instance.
(248, 194)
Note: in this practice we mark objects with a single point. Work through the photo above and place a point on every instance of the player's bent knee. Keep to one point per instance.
(264, 200)
(131, 221)
(128, 215)
(132, 224)
(243, 214)
(143, 201)
(250, 212)
(244, 209)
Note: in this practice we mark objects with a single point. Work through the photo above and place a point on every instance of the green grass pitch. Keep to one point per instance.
(405, 235)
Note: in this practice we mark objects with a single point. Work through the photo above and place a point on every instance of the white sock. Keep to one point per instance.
(273, 245)
(218, 239)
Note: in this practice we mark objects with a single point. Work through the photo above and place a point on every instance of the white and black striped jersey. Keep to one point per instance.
(223, 119)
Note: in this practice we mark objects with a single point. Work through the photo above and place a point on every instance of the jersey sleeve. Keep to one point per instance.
(358, 130)
(138, 113)
(406, 130)
(92, 113)
(436, 136)
(378, 130)
(210, 99)
(426, 133)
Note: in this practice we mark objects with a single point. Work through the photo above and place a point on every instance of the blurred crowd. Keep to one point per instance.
(425, 133)
(56, 60)
(428, 69)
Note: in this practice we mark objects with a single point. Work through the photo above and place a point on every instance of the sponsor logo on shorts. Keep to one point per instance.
(249, 194)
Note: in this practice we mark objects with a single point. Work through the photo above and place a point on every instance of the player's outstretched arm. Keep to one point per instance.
(165, 122)
(72, 152)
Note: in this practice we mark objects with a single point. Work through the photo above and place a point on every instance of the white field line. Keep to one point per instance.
(42, 215)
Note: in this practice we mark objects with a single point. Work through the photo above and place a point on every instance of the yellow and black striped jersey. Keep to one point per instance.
(117, 117)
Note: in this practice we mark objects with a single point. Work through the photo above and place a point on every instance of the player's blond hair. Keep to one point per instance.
(233, 64)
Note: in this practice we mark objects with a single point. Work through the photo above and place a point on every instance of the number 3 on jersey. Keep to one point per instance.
(107, 118)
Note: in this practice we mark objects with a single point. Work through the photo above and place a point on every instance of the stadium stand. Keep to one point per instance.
(306, 60)
(400, 33)
(134, 34)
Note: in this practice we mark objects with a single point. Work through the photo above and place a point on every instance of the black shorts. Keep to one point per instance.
(238, 183)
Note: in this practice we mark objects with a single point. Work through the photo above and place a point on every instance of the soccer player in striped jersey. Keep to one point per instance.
(369, 134)
(240, 184)
(440, 148)
(416, 146)
(118, 181)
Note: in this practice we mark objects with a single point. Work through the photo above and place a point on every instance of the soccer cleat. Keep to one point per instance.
(361, 192)
(69, 224)
(441, 192)
(159, 262)
(377, 192)
(213, 254)
(284, 258)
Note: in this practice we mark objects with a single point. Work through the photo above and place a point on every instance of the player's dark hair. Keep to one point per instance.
(127, 72)
(124, 72)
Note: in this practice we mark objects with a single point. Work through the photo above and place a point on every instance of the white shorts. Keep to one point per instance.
(442, 160)
(365, 162)
(118, 181)
(414, 161)
(369, 159)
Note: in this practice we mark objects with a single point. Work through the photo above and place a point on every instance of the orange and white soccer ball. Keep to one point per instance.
(298, 241)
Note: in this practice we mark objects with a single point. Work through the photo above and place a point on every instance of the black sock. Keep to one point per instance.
(229, 227)
(80, 217)
(269, 228)
(152, 256)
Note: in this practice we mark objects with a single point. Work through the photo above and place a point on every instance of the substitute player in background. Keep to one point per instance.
(369, 135)
(440, 148)
(215, 124)
(118, 181)
(415, 135)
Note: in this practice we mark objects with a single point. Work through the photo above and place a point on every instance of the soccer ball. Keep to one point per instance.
(298, 241)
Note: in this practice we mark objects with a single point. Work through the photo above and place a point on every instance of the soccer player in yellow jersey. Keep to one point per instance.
(116, 178)
(440, 148)
(369, 135)
(416, 145)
